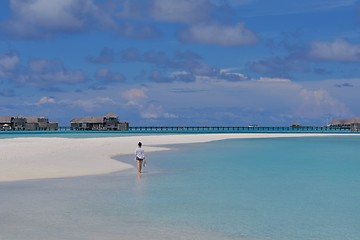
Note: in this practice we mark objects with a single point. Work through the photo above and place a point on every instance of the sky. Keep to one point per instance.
(181, 62)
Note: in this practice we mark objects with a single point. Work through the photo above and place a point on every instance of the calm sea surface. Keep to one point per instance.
(273, 189)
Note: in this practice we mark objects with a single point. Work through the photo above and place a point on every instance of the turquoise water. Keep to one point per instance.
(65, 134)
(273, 189)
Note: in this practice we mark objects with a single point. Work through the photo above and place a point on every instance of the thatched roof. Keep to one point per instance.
(5, 119)
(88, 120)
(111, 115)
(348, 121)
(93, 119)
(295, 124)
(31, 119)
(34, 119)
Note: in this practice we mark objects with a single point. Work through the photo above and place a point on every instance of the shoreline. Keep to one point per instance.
(45, 158)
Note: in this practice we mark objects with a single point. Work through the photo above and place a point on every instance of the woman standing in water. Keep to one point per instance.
(140, 156)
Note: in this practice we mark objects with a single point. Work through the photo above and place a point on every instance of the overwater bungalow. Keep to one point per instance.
(108, 122)
(32, 123)
(352, 123)
(5, 122)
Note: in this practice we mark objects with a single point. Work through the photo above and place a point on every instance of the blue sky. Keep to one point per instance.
(181, 62)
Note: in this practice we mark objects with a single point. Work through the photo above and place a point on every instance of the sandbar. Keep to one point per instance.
(32, 158)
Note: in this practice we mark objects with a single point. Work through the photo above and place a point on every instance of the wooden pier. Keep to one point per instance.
(209, 129)
(218, 129)
(215, 129)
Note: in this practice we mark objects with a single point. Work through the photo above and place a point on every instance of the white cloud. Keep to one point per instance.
(318, 103)
(107, 76)
(273, 80)
(212, 33)
(46, 100)
(8, 63)
(338, 50)
(296, 100)
(134, 94)
(133, 9)
(278, 8)
(180, 10)
(40, 18)
(155, 111)
(38, 65)
(139, 100)
(43, 73)
(264, 101)
(30, 16)
(89, 104)
(103, 100)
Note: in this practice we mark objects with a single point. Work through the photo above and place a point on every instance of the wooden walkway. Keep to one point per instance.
(238, 129)
(210, 129)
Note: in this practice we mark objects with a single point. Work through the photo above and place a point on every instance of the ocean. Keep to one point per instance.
(296, 188)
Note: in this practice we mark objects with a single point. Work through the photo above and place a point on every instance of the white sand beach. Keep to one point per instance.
(39, 158)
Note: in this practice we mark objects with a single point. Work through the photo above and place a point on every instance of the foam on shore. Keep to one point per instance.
(39, 158)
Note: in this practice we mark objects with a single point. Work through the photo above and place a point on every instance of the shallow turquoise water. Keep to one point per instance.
(65, 134)
(272, 189)
(295, 188)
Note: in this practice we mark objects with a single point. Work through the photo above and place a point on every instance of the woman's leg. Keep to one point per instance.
(139, 165)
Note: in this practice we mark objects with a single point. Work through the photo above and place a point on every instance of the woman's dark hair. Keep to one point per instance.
(139, 144)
